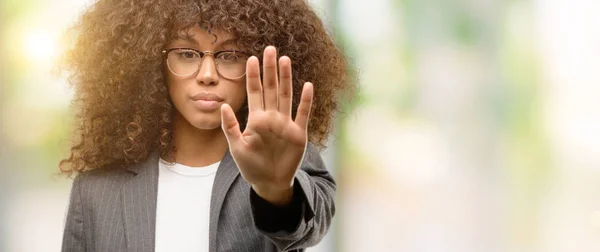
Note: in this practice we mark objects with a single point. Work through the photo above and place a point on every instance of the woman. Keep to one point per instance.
(183, 143)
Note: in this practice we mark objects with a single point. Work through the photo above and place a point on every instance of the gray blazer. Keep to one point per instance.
(115, 209)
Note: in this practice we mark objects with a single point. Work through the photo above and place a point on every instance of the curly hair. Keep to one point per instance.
(115, 65)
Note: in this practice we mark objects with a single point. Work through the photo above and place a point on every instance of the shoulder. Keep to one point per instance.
(312, 154)
(88, 182)
(101, 175)
(116, 174)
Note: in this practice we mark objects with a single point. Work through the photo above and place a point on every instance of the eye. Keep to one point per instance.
(229, 56)
(187, 55)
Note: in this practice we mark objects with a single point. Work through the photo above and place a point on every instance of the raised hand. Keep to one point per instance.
(269, 151)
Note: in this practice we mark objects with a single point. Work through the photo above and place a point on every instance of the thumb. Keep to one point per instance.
(230, 125)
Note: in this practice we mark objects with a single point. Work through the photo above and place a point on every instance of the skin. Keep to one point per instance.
(197, 131)
(270, 149)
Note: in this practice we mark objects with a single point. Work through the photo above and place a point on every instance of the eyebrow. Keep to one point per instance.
(191, 39)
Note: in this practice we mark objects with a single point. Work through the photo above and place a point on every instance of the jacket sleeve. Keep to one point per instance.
(314, 194)
(73, 236)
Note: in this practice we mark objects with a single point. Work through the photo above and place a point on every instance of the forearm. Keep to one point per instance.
(315, 190)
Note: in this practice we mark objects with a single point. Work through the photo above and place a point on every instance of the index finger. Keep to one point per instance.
(253, 85)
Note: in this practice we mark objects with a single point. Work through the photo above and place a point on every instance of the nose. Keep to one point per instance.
(207, 74)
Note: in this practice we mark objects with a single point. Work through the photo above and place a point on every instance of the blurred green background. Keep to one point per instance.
(476, 127)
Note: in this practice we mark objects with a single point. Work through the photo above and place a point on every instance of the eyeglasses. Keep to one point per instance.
(230, 64)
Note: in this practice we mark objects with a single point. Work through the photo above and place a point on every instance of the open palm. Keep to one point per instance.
(269, 151)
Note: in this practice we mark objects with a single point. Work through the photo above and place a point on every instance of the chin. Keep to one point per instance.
(206, 126)
(205, 122)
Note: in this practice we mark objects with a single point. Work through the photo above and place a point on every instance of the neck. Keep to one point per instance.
(197, 147)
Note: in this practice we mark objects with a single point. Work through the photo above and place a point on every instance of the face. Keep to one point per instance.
(199, 96)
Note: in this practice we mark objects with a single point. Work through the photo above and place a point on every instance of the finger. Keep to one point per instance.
(285, 86)
(253, 86)
(230, 125)
(270, 78)
(304, 108)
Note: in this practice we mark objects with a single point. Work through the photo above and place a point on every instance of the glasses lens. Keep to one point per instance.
(231, 64)
(183, 62)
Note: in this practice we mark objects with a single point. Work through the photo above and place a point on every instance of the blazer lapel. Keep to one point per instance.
(226, 174)
(139, 205)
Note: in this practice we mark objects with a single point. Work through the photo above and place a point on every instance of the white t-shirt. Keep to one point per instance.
(183, 207)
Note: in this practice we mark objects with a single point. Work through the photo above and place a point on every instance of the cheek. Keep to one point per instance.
(176, 92)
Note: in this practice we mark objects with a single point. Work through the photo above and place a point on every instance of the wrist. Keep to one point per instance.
(279, 195)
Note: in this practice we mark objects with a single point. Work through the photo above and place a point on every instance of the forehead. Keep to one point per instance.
(204, 35)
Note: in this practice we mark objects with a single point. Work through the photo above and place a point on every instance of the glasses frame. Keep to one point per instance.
(166, 52)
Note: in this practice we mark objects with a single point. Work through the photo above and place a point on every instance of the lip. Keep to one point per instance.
(207, 97)
(207, 101)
